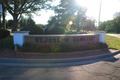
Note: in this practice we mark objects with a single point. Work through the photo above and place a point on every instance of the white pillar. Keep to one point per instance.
(18, 37)
(102, 37)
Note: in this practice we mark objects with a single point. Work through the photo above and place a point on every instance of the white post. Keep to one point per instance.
(18, 37)
(102, 37)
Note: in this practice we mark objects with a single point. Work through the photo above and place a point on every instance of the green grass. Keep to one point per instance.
(113, 42)
(7, 43)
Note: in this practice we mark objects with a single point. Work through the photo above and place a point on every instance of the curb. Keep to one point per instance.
(19, 60)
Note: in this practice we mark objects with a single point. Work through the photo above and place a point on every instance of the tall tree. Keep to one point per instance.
(117, 14)
(4, 22)
(3, 15)
(67, 8)
(18, 7)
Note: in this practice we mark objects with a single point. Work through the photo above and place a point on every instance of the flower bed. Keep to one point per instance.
(44, 48)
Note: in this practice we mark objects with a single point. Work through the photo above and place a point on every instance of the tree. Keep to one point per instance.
(10, 23)
(67, 8)
(89, 25)
(18, 7)
(23, 22)
(3, 14)
(117, 14)
(52, 20)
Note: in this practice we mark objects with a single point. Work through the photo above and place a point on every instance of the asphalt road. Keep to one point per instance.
(115, 35)
(102, 70)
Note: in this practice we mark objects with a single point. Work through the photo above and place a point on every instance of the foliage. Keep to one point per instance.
(117, 14)
(26, 47)
(18, 7)
(113, 42)
(53, 20)
(7, 42)
(45, 48)
(23, 22)
(10, 23)
(33, 30)
(54, 30)
(89, 25)
(111, 26)
(34, 48)
(30, 22)
(55, 48)
(66, 9)
(71, 33)
(66, 48)
(5, 33)
(40, 25)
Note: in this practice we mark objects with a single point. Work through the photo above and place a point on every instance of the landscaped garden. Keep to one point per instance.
(44, 48)
(111, 42)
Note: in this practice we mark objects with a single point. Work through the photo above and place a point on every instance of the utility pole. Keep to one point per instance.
(99, 12)
(1, 28)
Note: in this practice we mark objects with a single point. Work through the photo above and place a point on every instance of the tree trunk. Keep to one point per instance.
(4, 22)
(15, 23)
(78, 20)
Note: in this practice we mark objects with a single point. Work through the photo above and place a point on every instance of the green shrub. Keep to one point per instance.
(82, 32)
(33, 30)
(71, 33)
(64, 48)
(34, 48)
(45, 48)
(54, 30)
(26, 47)
(5, 33)
(55, 48)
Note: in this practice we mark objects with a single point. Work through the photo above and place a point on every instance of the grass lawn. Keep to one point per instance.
(113, 42)
(7, 43)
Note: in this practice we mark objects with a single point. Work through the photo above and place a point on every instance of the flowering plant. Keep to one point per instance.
(45, 48)
(55, 48)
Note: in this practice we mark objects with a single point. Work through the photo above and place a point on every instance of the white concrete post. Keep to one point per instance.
(102, 37)
(18, 37)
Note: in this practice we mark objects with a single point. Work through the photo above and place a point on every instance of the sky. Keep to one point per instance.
(108, 8)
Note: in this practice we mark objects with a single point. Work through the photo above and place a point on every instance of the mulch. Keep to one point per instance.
(10, 53)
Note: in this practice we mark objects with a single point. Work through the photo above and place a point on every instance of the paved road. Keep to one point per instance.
(115, 35)
(102, 70)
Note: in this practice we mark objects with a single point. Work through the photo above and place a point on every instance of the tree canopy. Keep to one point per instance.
(111, 26)
(18, 7)
(66, 9)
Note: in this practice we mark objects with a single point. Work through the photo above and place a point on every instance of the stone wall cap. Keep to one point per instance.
(64, 35)
(20, 31)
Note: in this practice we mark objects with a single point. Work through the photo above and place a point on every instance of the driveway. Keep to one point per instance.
(115, 35)
(102, 70)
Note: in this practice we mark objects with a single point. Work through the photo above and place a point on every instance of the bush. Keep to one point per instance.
(55, 48)
(45, 48)
(64, 48)
(26, 47)
(33, 30)
(55, 30)
(71, 33)
(83, 33)
(5, 33)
